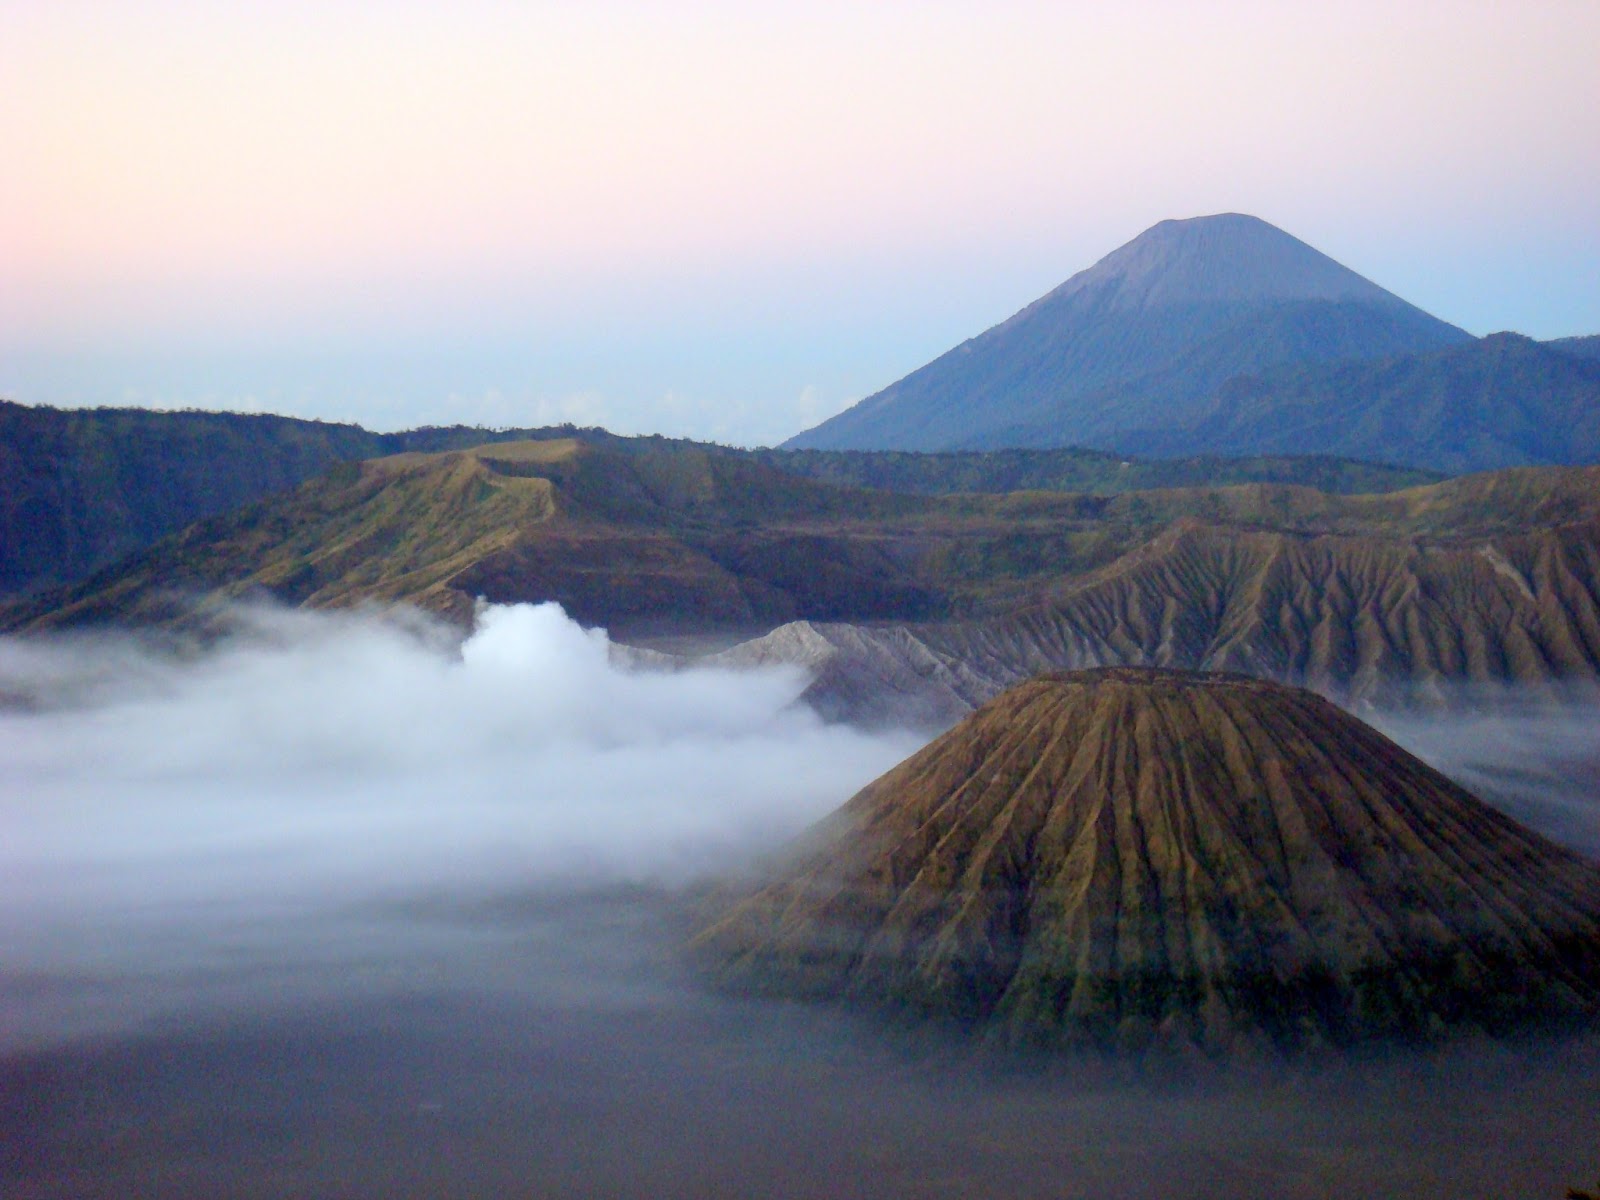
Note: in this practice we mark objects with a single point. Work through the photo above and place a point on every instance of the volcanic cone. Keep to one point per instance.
(1135, 858)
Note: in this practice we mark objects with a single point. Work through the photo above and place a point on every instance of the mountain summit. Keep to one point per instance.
(1139, 341)
(1230, 258)
(1134, 858)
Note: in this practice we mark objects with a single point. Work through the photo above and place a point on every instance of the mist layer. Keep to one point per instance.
(170, 814)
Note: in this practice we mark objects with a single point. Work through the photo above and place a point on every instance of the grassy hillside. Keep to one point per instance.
(82, 487)
(674, 536)
(1074, 469)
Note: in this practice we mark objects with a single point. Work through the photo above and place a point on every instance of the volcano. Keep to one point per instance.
(1139, 341)
(1140, 859)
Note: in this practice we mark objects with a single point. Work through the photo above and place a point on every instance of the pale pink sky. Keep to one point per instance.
(728, 220)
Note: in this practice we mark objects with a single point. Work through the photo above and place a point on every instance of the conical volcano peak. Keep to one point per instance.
(1226, 258)
(1135, 858)
(1138, 342)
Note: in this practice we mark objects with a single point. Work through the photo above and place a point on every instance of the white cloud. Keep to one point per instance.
(312, 762)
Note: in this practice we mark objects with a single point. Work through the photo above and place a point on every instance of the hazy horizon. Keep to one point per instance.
(722, 223)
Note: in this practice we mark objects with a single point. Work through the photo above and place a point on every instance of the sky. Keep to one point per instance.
(730, 221)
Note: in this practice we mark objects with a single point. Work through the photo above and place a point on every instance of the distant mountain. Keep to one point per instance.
(1502, 401)
(1137, 859)
(1583, 347)
(1140, 339)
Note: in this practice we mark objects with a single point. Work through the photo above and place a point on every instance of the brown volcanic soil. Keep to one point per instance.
(1135, 858)
(1378, 619)
(1371, 619)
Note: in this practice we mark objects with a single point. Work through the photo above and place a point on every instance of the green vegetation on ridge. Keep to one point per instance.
(1074, 469)
(79, 488)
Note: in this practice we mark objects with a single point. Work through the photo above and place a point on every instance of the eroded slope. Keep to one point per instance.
(1131, 858)
(1492, 581)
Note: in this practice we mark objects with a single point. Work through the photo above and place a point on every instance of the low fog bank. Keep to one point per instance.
(628, 1085)
(348, 907)
(260, 802)
(1537, 760)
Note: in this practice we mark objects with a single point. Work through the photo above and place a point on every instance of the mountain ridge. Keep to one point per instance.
(81, 488)
(1491, 579)
(1504, 400)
